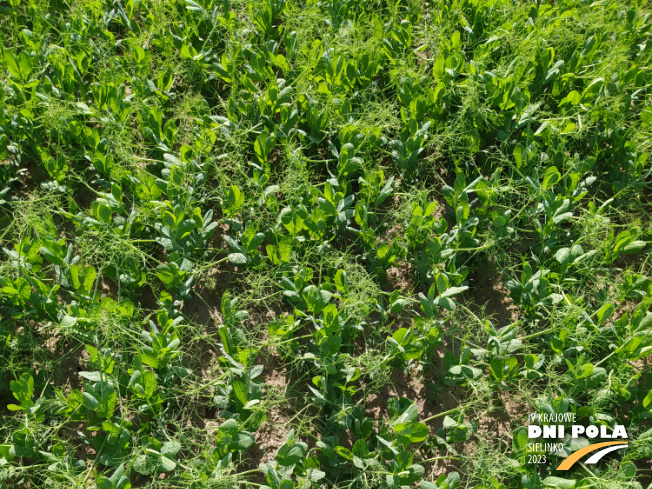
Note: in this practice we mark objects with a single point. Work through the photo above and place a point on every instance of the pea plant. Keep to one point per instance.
(324, 244)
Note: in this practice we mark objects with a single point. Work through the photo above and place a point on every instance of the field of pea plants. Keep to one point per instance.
(323, 244)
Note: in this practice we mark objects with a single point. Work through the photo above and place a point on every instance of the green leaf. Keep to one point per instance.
(562, 255)
(415, 432)
(605, 313)
(285, 248)
(164, 273)
(291, 454)
(340, 281)
(559, 483)
(194, 6)
(648, 399)
(148, 381)
(145, 464)
(410, 415)
(550, 177)
(50, 256)
(244, 441)
(385, 192)
(102, 212)
(149, 357)
(12, 64)
(584, 371)
(233, 201)
(25, 64)
(633, 247)
(453, 291)
(572, 99)
(167, 464)
(240, 393)
(238, 258)
(496, 366)
(646, 116)
(23, 389)
(170, 448)
(90, 401)
(361, 448)
(344, 452)
(92, 376)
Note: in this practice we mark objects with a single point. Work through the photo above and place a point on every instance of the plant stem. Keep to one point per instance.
(439, 415)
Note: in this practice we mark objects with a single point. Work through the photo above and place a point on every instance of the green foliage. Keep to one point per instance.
(232, 230)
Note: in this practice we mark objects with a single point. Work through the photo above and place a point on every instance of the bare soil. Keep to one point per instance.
(488, 293)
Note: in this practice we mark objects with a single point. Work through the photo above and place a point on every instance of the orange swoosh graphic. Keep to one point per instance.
(568, 463)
